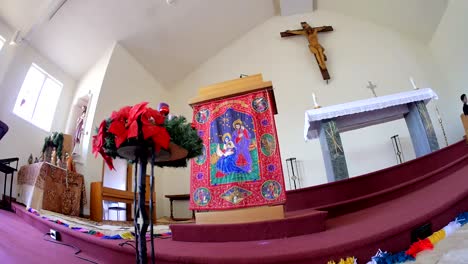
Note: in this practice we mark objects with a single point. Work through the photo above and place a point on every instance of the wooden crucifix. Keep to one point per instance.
(314, 45)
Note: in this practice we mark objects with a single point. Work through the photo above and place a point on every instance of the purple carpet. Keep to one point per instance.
(375, 211)
(22, 243)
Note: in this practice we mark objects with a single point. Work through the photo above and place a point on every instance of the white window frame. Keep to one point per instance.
(31, 119)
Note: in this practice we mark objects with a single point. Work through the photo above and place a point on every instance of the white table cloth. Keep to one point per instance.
(314, 116)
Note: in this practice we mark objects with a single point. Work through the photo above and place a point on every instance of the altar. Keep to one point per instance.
(327, 123)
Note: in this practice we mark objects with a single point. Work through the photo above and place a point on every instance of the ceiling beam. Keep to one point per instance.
(46, 12)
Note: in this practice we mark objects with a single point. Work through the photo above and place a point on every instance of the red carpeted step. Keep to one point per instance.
(297, 223)
(326, 195)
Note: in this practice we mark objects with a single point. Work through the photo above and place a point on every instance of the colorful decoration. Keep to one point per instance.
(121, 129)
(202, 116)
(268, 144)
(419, 246)
(201, 196)
(349, 260)
(260, 104)
(271, 190)
(163, 108)
(235, 194)
(124, 235)
(383, 257)
(240, 154)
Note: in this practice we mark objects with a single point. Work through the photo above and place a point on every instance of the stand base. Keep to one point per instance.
(5, 203)
(244, 215)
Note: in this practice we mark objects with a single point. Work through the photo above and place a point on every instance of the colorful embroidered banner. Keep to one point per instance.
(241, 163)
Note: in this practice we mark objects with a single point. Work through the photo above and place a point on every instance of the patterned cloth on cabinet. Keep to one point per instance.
(45, 186)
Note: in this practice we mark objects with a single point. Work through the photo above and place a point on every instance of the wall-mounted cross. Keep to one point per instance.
(314, 45)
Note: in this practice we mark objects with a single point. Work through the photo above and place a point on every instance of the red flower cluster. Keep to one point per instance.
(124, 126)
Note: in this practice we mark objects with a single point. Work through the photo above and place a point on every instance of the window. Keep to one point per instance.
(38, 98)
(2, 41)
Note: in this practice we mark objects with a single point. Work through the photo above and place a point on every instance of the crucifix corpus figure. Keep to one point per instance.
(314, 45)
(372, 87)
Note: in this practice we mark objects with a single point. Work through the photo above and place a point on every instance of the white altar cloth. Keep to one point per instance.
(314, 116)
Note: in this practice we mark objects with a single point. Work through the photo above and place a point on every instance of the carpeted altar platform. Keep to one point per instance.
(377, 210)
(23, 243)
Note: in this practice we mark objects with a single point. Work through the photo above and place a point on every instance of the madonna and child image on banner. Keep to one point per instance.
(241, 164)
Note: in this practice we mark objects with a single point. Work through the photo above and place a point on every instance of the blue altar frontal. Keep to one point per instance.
(326, 124)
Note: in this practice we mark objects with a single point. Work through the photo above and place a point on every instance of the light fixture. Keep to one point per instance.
(171, 2)
(16, 38)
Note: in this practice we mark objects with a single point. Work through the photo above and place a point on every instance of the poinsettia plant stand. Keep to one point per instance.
(141, 155)
(144, 135)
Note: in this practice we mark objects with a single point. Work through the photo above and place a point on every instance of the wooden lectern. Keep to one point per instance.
(224, 97)
(234, 87)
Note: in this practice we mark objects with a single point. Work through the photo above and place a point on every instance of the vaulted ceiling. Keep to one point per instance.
(170, 41)
(416, 18)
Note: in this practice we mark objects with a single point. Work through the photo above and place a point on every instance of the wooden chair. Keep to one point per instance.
(464, 120)
(100, 193)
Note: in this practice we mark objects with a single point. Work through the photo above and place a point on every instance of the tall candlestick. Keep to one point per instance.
(441, 125)
(413, 83)
(314, 98)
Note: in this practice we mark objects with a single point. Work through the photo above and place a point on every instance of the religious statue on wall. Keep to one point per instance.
(80, 126)
(314, 45)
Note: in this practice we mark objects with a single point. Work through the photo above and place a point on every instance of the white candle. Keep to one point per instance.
(315, 100)
(412, 83)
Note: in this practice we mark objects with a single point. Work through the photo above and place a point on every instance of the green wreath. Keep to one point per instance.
(55, 140)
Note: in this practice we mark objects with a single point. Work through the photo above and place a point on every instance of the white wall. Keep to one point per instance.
(449, 46)
(357, 52)
(126, 82)
(24, 138)
(7, 52)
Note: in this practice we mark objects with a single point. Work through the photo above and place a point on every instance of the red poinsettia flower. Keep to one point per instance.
(107, 159)
(98, 140)
(152, 127)
(120, 124)
(98, 143)
(135, 112)
(124, 122)
(124, 125)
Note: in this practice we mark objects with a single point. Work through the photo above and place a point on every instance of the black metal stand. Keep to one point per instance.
(141, 151)
(140, 156)
(397, 148)
(293, 172)
(142, 163)
(7, 169)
